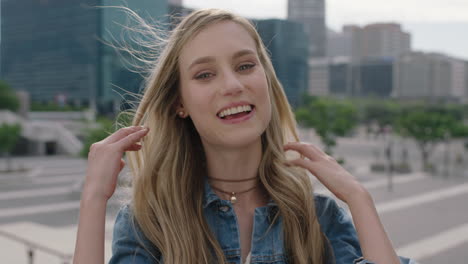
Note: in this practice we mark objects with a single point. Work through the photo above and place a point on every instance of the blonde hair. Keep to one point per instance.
(169, 173)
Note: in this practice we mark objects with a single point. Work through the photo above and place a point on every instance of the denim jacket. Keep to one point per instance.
(266, 247)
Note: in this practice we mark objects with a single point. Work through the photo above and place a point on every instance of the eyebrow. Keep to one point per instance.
(211, 59)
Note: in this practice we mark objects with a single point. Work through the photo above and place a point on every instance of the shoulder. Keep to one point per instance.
(326, 206)
(124, 226)
(128, 240)
(331, 216)
(337, 226)
(123, 217)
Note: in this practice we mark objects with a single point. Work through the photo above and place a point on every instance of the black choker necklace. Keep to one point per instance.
(233, 180)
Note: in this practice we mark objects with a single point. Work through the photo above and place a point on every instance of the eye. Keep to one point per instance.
(245, 67)
(203, 76)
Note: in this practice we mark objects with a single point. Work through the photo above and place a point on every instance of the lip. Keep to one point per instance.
(239, 119)
(233, 105)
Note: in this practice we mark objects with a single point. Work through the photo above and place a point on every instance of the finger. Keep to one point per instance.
(131, 139)
(306, 164)
(134, 147)
(312, 147)
(121, 133)
(304, 149)
(318, 150)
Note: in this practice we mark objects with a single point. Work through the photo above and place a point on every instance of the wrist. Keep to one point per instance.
(359, 197)
(88, 196)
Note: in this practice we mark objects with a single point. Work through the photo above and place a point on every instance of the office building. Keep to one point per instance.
(287, 44)
(319, 76)
(311, 13)
(371, 41)
(385, 40)
(55, 49)
(340, 76)
(433, 76)
(375, 78)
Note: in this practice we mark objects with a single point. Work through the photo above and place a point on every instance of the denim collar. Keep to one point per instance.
(211, 197)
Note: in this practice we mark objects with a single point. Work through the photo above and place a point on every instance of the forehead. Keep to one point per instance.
(222, 38)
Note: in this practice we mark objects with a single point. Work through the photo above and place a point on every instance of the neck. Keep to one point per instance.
(226, 167)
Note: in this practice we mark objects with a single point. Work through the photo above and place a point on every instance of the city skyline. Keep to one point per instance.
(440, 28)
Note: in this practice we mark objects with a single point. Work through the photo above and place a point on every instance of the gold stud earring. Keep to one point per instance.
(181, 114)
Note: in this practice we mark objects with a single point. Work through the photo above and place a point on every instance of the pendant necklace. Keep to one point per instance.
(233, 195)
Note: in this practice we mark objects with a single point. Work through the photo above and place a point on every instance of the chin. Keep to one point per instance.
(241, 139)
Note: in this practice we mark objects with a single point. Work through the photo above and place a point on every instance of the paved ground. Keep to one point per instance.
(425, 216)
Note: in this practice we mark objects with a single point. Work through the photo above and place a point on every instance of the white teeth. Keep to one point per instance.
(235, 110)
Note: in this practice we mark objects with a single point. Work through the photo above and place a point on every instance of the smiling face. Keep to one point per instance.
(223, 86)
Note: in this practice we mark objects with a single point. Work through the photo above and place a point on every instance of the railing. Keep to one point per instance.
(31, 247)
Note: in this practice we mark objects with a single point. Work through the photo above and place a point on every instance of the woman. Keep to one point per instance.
(211, 180)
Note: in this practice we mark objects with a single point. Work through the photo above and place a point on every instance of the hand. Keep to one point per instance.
(327, 170)
(105, 161)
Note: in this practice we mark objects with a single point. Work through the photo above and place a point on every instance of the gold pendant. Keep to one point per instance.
(233, 198)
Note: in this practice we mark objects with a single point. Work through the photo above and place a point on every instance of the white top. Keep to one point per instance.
(247, 260)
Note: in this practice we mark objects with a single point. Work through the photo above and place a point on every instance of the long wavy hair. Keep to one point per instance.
(168, 171)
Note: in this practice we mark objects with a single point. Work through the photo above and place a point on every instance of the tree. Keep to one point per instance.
(329, 117)
(380, 113)
(8, 98)
(428, 126)
(9, 135)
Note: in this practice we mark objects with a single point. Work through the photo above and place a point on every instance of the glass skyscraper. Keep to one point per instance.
(53, 48)
(287, 44)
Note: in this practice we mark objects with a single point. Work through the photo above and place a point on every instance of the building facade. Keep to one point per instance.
(311, 13)
(432, 76)
(319, 76)
(340, 76)
(287, 43)
(380, 40)
(385, 40)
(56, 49)
(375, 78)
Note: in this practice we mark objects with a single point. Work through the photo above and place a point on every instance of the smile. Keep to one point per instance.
(236, 111)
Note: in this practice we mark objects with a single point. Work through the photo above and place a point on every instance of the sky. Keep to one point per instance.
(435, 25)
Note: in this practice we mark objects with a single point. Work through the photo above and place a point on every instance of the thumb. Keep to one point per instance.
(122, 164)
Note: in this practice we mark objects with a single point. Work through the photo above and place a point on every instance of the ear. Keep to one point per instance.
(180, 109)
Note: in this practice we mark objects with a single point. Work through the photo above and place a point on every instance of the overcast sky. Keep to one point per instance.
(435, 25)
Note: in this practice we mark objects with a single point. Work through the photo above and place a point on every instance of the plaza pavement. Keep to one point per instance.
(425, 216)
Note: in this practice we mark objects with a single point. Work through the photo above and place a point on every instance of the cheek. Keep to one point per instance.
(198, 105)
(194, 98)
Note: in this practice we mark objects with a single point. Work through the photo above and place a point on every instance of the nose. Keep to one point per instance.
(232, 84)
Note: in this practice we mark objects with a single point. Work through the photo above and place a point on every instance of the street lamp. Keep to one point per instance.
(388, 155)
(447, 153)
